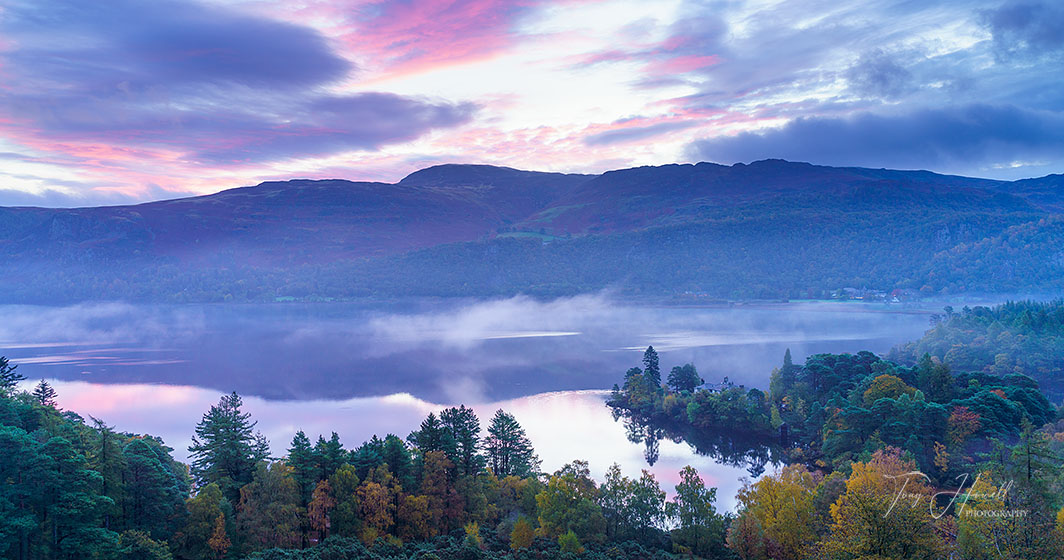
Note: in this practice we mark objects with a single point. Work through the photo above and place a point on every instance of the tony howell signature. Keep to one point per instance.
(956, 497)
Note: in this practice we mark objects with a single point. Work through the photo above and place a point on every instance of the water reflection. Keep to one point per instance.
(732, 450)
(450, 351)
(562, 426)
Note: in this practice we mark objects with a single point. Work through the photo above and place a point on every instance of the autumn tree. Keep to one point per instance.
(873, 519)
(781, 507)
(192, 541)
(219, 542)
(886, 386)
(269, 513)
(522, 534)
(320, 506)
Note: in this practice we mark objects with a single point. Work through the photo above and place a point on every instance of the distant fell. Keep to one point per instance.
(770, 228)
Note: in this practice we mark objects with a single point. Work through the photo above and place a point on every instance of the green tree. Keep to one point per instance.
(509, 450)
(651, 369)
(152, 494)
(9, 378)
(192, 541)
(464, 427)
(397, 456)
(138, 545)
(304, 464)
(684, 378)
(45, 394)
(344, 519)
(106, 458)
(569, 502)
(225, 450)
(699, 527)
(269, 513)
(330, 455)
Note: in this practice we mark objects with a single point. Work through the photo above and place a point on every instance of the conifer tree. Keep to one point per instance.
(464, 428)
(651, 370)
(45, 394)
(225, 449)
(9, 378)
(509, 450)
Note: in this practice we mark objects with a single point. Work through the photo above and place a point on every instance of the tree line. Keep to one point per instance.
(76, 488)
(850, 428)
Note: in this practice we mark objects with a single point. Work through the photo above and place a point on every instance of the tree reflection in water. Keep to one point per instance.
(753, 454)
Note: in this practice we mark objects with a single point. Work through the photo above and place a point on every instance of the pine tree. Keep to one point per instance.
(304, 463)
(432, 436)
(464, 427)
(107, 459)
(508, 448)
(151, 491)
(45, 394)
(224, 449)
(330, 455)
(9, 378)
(651, 370)
(684, 378)
(397, 457)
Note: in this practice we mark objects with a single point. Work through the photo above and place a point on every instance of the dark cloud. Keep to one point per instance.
(930, 138)
(130, 44)
(634, 133)
(214, 84)
(879, 74)
(1026, 29)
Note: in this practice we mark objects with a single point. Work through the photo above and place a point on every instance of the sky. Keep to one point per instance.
(133, 100)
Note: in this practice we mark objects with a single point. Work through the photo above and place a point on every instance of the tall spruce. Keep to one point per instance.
(45, 394)
(225, 448)
(651, 369)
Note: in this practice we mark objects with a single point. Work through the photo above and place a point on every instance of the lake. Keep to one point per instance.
(361, 369)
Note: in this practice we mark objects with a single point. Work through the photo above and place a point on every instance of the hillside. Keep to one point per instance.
(771, 229)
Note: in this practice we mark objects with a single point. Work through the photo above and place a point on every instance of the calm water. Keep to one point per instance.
(363, 370)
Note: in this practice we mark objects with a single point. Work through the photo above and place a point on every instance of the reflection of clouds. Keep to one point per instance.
(563, 426)
(35, 326)
(681, 340)
(467, 326)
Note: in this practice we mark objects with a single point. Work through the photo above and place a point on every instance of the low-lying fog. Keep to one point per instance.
(470, 351)
(362, 369)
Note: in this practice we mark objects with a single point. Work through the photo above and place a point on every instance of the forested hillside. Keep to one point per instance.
(1024, 337)
(771, 229)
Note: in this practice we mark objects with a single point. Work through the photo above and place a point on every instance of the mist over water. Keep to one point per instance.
(455, 351)
(361, 369)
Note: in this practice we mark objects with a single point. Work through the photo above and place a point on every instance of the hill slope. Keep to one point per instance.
(768, 229)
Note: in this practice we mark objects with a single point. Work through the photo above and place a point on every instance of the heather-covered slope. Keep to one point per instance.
(768, 229)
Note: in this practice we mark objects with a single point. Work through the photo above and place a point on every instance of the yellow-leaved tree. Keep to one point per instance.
(776, 516)
(884, 513)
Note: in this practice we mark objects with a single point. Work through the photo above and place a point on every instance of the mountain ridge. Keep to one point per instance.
(439, 230)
